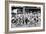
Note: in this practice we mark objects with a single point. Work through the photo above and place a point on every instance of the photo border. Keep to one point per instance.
(7, 16)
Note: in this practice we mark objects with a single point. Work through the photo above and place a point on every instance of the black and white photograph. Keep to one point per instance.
(25, 16)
